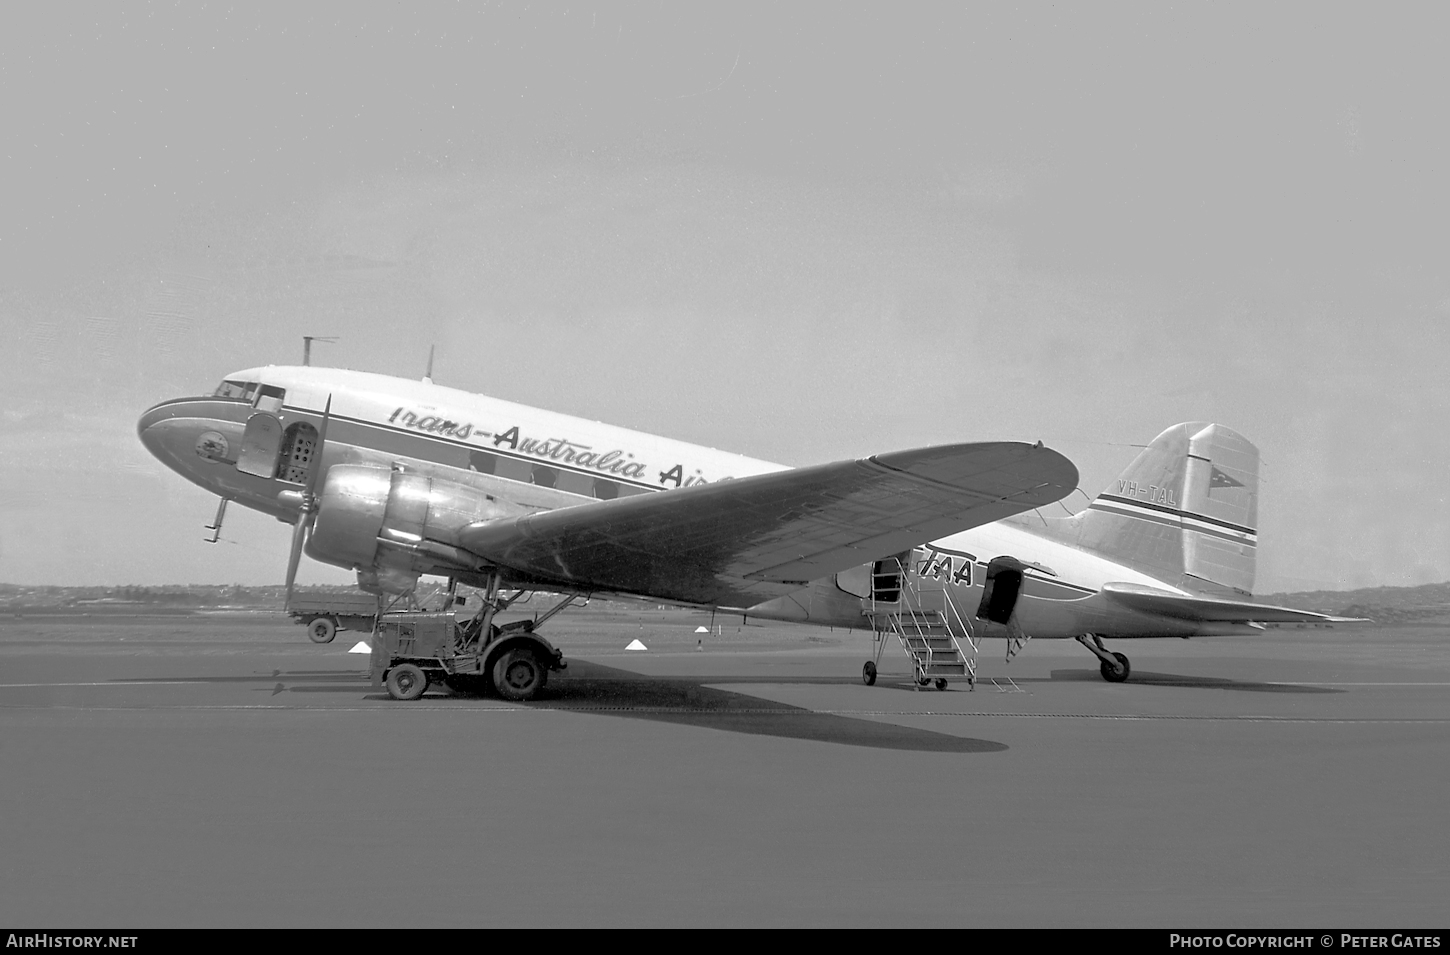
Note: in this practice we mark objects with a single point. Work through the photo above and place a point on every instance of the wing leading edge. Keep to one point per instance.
(737, 542)
(1210, 609)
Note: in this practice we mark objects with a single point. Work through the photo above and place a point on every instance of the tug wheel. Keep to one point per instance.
(321, 630)
(868, 673)
(406, 682)
(518, 675)
(1111, 674)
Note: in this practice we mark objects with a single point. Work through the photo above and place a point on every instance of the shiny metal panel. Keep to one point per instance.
(361, 504)
(353, 504)
(408, 498)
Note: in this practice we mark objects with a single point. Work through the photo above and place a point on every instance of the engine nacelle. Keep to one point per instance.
(404, 521)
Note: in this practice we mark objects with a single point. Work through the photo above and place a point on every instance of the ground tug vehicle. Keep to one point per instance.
(412, 650)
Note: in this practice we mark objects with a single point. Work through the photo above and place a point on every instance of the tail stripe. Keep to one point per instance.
(1187, 522)
(1178, 513)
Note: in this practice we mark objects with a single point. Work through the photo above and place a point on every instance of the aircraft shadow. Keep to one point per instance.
(1173, 679)
(593, 688)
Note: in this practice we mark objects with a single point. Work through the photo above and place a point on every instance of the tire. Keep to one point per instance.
(321, 629)
(868, 673)
(1112, 675)
(406, 682)
(941, 684)
(518, 675)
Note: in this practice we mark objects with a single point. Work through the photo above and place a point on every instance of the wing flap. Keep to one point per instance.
(1211, 609)
(758, 537)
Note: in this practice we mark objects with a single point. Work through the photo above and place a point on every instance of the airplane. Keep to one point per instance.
(396, 478)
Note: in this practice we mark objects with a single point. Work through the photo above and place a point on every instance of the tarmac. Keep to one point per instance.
(220, 770)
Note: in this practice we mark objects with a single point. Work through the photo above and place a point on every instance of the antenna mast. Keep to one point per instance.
(307, 341)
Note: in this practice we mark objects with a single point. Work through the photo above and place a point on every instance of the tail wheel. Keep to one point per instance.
(322, 630)
(868, 673)
(406, 682)
(1112, 675)
(518, 675)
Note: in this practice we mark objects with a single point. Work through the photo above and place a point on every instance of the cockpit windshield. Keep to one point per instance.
(236, 389)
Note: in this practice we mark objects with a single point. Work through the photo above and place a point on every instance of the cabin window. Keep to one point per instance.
(605, 490)
(629, 490)
(575, 483)
(482, 461)
(514, 469)
(299, 447)
(544, 476)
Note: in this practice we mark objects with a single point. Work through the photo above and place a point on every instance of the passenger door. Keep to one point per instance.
(262, 438)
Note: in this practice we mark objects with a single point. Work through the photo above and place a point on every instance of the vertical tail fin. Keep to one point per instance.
(1185, 510)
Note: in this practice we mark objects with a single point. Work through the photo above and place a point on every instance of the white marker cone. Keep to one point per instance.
(633, 645)
(360, 647)
(702, 629)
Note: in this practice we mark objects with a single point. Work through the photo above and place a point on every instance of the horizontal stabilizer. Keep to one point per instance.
(738, 542)
(1211, 609)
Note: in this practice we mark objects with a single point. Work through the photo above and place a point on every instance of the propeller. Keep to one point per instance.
(308, 514)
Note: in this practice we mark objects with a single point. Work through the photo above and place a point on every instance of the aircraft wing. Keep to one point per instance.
(737, 542)
(1211, 609)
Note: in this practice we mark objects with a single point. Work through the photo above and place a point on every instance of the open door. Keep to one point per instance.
(1004, 584)
(262, 438)
(886, 578)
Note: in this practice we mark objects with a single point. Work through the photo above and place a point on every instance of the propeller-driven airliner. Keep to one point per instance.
(943, 546)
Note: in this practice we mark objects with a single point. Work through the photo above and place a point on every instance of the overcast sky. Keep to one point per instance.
(802, 232)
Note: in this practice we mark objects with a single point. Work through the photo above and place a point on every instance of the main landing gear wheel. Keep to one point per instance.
(518, 675)
(941, 683)
(406, 682)
(868, 674)
(321, 630)
(1111, 674)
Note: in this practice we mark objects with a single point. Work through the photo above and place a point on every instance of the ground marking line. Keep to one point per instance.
(1013, 688)
(10, 686)
(1321, 683)
(389, 707)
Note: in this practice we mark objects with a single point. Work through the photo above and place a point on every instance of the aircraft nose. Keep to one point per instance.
(148, 430)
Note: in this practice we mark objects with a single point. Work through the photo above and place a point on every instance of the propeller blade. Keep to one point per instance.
(299, 532)
(314, 478)
(308, 513)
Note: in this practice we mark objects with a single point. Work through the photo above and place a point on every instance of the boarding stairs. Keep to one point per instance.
(926, 622)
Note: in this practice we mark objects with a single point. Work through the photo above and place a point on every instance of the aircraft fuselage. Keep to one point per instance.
(523, 459)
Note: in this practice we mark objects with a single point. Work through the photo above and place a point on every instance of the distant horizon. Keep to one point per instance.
(280, 585)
